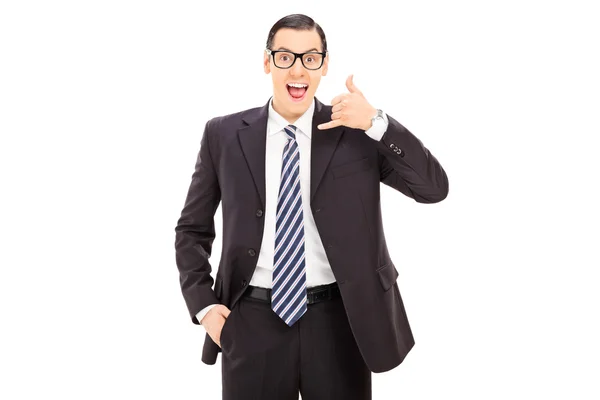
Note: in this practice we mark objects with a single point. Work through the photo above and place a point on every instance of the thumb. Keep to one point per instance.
(225, 312)
(351, 86)
(222, 309)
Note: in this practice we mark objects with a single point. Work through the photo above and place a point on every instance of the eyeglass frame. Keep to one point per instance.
(296, 56)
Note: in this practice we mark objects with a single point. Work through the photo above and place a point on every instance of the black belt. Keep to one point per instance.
(314, 294)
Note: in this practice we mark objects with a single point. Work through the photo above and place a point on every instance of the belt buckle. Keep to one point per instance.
(319, 295)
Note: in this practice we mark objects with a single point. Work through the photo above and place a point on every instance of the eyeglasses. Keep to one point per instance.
(285, 59)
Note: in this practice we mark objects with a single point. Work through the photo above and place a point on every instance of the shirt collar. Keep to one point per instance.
(277, 122)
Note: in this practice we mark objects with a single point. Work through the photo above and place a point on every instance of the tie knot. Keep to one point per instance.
(291, 131)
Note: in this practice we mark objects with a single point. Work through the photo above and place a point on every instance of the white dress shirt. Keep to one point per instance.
(318, 270)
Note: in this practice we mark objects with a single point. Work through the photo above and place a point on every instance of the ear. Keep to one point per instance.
(266, 62)
(325, 65)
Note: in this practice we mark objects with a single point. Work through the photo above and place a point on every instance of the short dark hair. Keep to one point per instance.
(298, 22)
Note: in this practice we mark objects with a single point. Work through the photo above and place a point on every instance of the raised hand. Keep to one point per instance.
(350, 109)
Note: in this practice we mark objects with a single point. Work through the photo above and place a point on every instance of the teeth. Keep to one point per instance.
(298, 85)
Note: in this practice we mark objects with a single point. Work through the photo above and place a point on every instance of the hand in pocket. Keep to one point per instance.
(214, 321)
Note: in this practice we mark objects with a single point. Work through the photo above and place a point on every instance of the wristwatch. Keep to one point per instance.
(378, 119)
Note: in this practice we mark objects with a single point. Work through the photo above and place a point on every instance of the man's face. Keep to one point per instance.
(297, 41)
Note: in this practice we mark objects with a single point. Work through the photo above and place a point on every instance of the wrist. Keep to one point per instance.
(372, 114)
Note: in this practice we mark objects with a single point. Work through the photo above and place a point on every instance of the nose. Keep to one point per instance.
(297, 68)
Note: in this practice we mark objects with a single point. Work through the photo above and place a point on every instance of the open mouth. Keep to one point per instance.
(297, 91)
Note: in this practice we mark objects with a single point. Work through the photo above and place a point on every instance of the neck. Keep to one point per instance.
(289, 116)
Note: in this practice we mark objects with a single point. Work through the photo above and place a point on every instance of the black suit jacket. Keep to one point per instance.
(347, 167)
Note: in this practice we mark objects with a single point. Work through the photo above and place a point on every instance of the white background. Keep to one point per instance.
(102, 107)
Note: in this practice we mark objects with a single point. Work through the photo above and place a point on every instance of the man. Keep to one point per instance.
(305, 297)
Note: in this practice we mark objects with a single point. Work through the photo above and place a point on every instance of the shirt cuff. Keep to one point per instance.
(376, 131)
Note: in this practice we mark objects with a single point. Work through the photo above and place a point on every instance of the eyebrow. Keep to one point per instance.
(286, 49)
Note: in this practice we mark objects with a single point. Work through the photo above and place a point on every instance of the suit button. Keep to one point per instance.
(329, 246)
(392, 145)
(259, 213)
(317, 210)
(401, 153)
(244, 283)
(252, 252)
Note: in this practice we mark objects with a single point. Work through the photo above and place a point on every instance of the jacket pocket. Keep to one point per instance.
(387, 276)
(351, 168)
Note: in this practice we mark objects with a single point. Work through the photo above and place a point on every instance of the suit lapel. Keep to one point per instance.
(322, 146)
(253, 140)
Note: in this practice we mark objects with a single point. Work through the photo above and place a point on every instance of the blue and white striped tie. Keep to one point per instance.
(288, 295)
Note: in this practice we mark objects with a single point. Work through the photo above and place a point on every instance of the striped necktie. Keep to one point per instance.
(288, 295)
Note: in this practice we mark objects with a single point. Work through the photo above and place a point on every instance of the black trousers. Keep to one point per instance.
(264, 359)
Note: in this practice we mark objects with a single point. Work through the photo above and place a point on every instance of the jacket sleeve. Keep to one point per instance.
(409, 167)
(195, 232)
